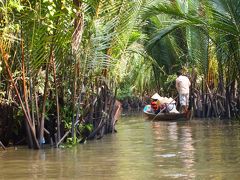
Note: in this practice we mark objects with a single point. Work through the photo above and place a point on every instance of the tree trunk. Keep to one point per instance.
(41, 133)
(76, 40)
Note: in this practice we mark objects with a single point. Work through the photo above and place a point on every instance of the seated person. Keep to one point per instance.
(156, 105)
(170, 104)
(162, 104)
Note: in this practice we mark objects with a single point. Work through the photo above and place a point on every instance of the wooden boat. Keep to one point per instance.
(166, 116)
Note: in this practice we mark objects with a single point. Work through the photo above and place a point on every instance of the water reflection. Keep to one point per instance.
(177, 147)
(140, 150)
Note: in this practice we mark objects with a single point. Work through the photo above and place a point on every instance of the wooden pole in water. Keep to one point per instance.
(1, 144)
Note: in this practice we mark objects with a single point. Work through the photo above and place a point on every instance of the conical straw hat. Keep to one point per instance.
(156, 96)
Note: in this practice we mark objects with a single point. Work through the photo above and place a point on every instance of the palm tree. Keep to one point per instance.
(207, 24)
(55, 46)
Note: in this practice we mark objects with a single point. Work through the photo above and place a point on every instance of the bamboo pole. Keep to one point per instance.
(25, 96)
(57, 101)
(41, 133)
(203, 99)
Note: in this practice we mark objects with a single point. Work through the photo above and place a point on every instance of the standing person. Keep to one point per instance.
(182, 85)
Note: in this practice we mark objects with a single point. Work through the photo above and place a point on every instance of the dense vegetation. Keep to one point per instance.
(62, 63)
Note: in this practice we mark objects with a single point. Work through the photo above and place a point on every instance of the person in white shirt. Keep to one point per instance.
(182, 85)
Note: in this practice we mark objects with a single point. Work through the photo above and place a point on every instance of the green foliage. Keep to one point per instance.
(71, 141)
(85, 129)
(124, 91)
(88, 127)
(67, 114)
(193, 27)
(170, 83)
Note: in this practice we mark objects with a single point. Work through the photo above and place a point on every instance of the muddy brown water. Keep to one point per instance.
(198, 149)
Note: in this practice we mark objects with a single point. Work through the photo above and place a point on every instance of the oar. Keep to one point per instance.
(164, 107)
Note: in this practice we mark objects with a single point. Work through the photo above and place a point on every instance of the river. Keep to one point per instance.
(198, 149)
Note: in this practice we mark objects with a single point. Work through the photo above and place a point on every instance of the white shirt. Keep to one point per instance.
(183, 84)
